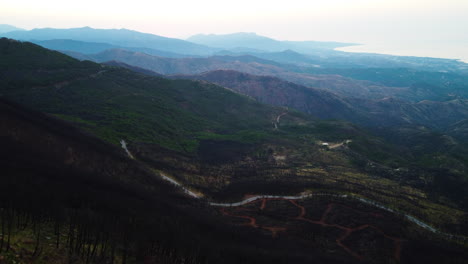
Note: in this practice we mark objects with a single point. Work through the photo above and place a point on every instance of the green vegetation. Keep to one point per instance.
(67, 197)
(115, 103)
(197, 118)
(213, 141)
(246, 136)
(424, 85)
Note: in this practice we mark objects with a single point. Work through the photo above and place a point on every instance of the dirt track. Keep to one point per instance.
(301, 216)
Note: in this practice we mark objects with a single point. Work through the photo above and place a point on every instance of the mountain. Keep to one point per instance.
(132, 68)
(73, 45)
(71, 197)
(165, 65)
(421, 84)
(322, 61)
(67, 45)
(95, 90)
(274, 91)
(433, 114)
(79, 198)
(185, 116)
(288, 57)
(7, 28)
(256, 42)
(415, 87)
(385, 112)
(319, 55)
(118, 37)
(360, 101)
(224, 147)
(459, 130)
(365, 102)
(76, 55)
(370, 83)
(245, 63)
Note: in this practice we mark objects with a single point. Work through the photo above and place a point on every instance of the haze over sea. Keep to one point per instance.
(457, 51)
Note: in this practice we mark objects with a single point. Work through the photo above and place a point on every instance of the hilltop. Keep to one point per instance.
(8, 28)
(118, 37)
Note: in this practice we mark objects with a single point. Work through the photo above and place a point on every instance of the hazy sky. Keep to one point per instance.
(364, 21)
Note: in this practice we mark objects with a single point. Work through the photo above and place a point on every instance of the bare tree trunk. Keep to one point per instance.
(9, 221)
(71, 238)
(104, 246)
(95, 244)
(57, 232)
(36, 248)
(3, 229)
(112, 252)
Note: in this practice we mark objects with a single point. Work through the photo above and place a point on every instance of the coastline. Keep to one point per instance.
(451, 53)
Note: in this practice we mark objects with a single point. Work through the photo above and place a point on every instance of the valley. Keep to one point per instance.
(146, 149)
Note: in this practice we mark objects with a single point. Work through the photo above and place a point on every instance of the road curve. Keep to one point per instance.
(310, 195)
(345, 196)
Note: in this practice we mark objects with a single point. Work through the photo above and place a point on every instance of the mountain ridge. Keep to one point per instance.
(87, 48)
(371, 83)
(226, 145)
(324, 104)
(254, 41)
(4, 28)
(120, 37)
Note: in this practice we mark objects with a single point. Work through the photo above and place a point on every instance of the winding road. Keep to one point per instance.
(124, 146)
(276, 122)
(293, 200)
(345, 196)
(187, 191)
(310, 195)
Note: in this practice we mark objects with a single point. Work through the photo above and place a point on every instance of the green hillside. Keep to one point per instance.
(230, 139)
(116, 103)
(219, 144)
(68, 197)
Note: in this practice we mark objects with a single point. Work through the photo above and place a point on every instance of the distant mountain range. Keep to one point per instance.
(242, 63)
(251, 42)
(7, 28)
(365, 102)
(275, 91)
(132, 68)
(317, 54)
(118, 37)
(385, 112)
(190, 65)
(309, 55)
(368, 76)
(228, 127)
(186, 108)
(368, 83)
(67, 45)
(368, 89)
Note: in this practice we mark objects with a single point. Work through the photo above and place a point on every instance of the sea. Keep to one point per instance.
(458, 51)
